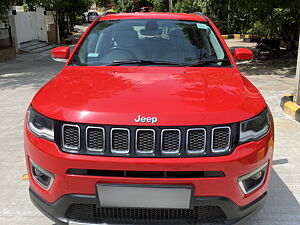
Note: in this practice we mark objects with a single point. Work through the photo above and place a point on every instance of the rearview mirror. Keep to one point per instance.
(60, 54)
(243, 55)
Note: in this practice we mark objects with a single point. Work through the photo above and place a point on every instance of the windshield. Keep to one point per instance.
(150, 42)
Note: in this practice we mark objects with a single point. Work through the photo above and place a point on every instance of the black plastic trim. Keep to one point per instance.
(201, 14)
(234, 213)
(145, 174)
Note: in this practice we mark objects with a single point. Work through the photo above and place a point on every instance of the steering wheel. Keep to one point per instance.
(127, 51)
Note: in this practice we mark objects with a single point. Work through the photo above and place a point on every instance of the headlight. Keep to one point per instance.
(40, 125)
(255, 128)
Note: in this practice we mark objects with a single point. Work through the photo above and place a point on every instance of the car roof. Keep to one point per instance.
(153, 15)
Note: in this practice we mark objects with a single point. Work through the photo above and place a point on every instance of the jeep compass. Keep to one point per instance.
(149, 122)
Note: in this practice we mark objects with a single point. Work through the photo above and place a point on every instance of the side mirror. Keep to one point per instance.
(60, 54)
(243, 54)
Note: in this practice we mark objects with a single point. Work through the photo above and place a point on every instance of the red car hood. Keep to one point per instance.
(176, 96)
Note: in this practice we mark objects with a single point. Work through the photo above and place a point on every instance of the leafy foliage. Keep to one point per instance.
(261, 17)
(4, 6)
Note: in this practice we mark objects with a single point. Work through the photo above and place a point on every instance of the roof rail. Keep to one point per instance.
(201, 14)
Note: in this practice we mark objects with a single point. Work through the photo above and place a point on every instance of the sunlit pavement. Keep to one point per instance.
(20, 79)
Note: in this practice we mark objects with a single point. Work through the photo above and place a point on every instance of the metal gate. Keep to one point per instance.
(29, 26)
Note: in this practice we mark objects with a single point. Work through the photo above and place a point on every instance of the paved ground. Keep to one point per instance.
(20, 79)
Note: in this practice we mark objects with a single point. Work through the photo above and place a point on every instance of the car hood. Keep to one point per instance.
(174, 95)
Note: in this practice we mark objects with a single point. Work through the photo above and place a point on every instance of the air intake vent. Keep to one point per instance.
(120, 140)
(170, 139)
(71, 140)
(90, 213)
(221, 139)
(95, 138)
(145, 140)
(196, 140)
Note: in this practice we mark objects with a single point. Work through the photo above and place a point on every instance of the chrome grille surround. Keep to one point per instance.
(119, 150)
(88, 140)
(137, 139)
(172, 151)
(189, 142)
(221, 147)
(68, 147)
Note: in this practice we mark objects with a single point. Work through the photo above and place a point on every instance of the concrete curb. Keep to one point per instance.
(232, 36)
(290, 107)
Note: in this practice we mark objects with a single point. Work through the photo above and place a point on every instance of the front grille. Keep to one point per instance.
(90, 213)
(152, 141)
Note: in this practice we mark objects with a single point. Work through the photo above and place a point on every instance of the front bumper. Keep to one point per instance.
(57, 211)
(217, 191)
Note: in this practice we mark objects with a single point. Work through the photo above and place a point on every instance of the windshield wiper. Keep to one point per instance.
(141, 62)
(204, 62)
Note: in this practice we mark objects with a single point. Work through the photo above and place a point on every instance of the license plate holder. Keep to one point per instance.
(145, 196)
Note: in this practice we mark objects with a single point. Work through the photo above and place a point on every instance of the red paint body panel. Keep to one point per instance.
(175, 95)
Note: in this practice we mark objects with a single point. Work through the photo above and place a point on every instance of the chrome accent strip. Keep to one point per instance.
(70, 148)
(187, 142)
(161, 142)
(49, 174)
(86, 139)
(212, 140)
(123, 151)
(136, 141)
(59, 59)
(248, 175)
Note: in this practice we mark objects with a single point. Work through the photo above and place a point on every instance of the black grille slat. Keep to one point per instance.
(145, 140)
(71, 134)
(90, 213)
(170, 141)
(221, 139)
(120, 140)
(95, 138)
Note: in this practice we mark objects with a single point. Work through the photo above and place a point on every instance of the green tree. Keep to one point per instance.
(262, 17)
(4, 7)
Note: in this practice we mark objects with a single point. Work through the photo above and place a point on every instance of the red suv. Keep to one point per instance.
(149, 122)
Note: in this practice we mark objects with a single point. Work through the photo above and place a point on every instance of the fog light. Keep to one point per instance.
(43, 177)
(257, 176)
(253, 180)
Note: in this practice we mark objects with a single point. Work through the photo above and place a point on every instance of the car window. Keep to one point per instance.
(176, 41)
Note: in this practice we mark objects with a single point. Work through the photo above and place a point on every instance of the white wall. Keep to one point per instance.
(30, 26)
(41, 24)
(26, 26)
